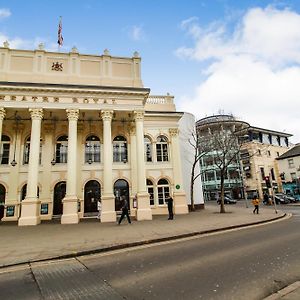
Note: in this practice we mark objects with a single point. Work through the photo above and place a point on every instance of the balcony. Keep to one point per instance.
(160, 103)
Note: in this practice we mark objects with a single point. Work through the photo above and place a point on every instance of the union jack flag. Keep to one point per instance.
(60, 40)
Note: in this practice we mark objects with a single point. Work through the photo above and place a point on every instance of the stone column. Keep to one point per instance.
(70, 202)
(144, 211)
(108, 213)
(133, 167)
(179, 196)
(2, 116)
(30, 214)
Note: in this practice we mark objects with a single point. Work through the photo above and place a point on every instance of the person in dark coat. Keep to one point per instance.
(169, 200)
(124, 211)
(1, 210)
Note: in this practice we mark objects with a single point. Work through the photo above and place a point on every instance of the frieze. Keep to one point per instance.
(45, 99)
(56, 66)
(13, 98)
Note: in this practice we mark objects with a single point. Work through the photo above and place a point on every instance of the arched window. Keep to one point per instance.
(4, 150)
(61, 153)
(163, 189)
(24, 192)
(150, 189)
(162, 149)
(27, 151)
(92, 149)
(119, 149)
(148, 149)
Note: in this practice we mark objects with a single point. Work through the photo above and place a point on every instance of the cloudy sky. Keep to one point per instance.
(239, 57)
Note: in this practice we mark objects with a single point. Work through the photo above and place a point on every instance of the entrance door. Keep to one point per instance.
(121, 188)
(92, 193)
(59, 194)
(2, 200)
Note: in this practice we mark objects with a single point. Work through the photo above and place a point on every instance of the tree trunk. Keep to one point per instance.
(222, 206)
(192, 188)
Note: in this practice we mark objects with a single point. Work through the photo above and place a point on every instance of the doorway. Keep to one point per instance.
(2, 200)
(121, 188)
(59, 194)
(92, 193)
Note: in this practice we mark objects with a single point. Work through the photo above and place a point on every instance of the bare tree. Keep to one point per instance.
(224, 140)
(198, 152)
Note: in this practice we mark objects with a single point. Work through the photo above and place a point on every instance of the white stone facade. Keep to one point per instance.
(78, 128)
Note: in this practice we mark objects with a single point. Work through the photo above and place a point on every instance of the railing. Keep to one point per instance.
(160, 99)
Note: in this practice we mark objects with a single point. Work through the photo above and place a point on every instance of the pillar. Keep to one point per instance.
(179, 196)
(70, 202)
(108, 213)
(144, 211)
(30, 214)
(2, 116)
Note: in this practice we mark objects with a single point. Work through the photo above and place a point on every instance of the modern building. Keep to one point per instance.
(289, 168)
(256, 159)
(211, 177)
(77, 128)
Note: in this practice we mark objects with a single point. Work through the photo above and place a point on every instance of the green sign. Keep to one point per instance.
(177, 186)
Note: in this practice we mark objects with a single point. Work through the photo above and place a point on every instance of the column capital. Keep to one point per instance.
(36, 113)
(139, 115)
(174, 132)
(106, 115)
(73, 114)
(2, 113)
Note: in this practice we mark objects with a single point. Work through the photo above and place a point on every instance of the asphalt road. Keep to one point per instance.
(247, 264)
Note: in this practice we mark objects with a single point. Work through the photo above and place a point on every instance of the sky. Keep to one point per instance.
(215, 56)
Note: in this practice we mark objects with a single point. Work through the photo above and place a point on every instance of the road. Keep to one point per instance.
(247, 264)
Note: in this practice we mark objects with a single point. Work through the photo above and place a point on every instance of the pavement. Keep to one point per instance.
(52, 240)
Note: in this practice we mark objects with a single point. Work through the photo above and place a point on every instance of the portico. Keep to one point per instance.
(75, 133)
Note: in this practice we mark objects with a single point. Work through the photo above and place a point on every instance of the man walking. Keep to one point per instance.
(124, 210)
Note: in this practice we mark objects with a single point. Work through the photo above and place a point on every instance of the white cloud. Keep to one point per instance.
(4, 13)
(254, 71)
(136, 33)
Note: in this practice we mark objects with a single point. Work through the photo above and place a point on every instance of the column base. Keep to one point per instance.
(30, 213)
(108, 213)
(180, 204)
(70, 210)
(144, 211)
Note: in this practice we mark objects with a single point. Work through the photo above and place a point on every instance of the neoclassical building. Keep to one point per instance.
(77, 128)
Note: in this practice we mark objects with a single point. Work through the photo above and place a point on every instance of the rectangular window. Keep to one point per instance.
(272, 174)
(291, 163)
(262, 173)
(4, 154)
(151, 194)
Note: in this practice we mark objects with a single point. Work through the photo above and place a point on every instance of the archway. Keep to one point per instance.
(121, 188)
(92, 193)
(59, 194)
